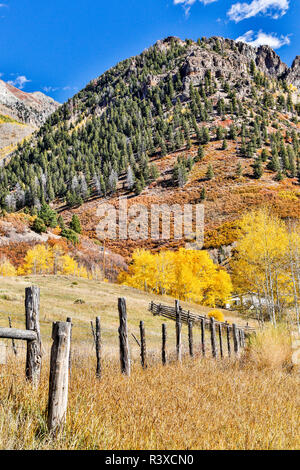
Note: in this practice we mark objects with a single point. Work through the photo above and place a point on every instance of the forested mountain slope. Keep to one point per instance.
(214, 121)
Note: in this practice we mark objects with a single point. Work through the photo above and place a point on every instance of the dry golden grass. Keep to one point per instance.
(203, 404)
(271, 347)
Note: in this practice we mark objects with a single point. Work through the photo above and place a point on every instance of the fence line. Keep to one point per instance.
(186, 316)
(60, 359)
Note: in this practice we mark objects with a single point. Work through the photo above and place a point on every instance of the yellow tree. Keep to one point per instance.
(184, 274)
(7, 269)
(38, 260)
(260, 265)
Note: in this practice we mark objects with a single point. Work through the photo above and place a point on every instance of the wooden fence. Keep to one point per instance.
(60, 357)
(235, 335)
(186, 316)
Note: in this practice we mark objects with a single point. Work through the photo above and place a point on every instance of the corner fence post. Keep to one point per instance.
(59, 376)
(178, 330)
(143, 345)
(123, 338)
(34, 348)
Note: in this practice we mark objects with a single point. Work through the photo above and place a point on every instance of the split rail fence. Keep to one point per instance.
(61, 359)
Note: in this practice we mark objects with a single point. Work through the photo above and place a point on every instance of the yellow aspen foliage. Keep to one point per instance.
(185, 274)
(51, 260)
(266, 263)
(7, 269)
(38, 260)
(217, 315)
(68, 265)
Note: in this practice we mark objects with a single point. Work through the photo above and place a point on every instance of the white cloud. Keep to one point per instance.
(241, 11)
(188, 3)
(19, 81)
(261, 38)
(49, 89)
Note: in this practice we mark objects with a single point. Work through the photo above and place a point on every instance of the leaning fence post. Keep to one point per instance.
(235, 338)
(123, 337)
(143, 345)
(34, 348)
(59, 376)
(203, 336)
(191, 345)
(220, 339)
(69, 320)
(213, 336)
(98, 347)
(228, 340)
(12, 341)
(164, 342)
(178, 330)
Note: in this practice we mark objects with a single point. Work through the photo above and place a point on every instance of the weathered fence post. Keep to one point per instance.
(98, 347)
(69, 320)
(213, 337)
(164, 342)
(178, 330)
(123, 337)
(143, 345)
(34, 348)
(220, 339)
(12, 341)
(235, 338)
(59, 376)
(203, 336)
(191, 345)
(228, 340)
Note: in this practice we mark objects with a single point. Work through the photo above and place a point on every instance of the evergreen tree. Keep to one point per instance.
(75, 224)
(210, 172)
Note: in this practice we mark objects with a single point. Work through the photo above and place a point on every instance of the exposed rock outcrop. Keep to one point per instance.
(28, 108)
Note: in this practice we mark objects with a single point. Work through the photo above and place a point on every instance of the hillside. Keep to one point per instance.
(58, 301)
(20, 115)
(203, 403)
(213, 121)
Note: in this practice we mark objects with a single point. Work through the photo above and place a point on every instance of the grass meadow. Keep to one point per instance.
(252, 402)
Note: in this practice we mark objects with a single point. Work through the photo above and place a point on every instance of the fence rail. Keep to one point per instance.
(186, 317)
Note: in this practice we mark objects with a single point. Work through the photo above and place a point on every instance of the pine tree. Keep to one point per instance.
(75, 224)
(239, 170)
(257, 169)
(210, 172)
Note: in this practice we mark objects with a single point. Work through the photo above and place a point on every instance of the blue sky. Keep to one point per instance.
(58, 46)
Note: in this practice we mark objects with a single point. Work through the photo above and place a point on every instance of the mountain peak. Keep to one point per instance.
(28, 108)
